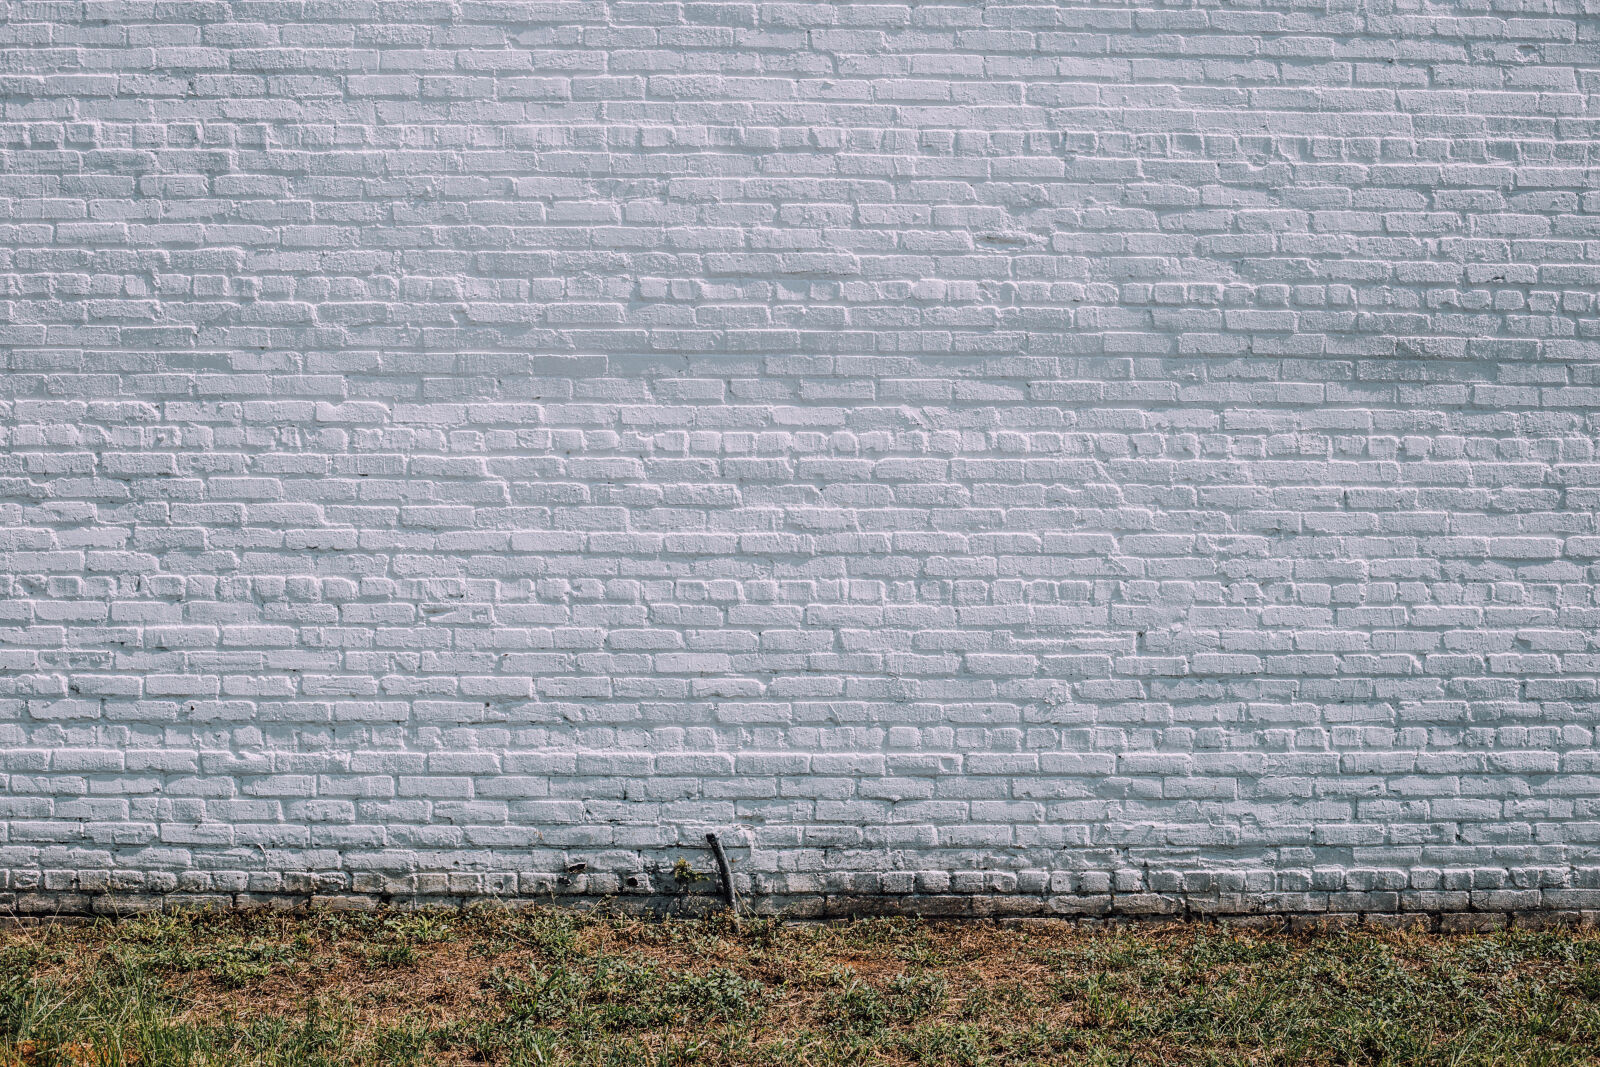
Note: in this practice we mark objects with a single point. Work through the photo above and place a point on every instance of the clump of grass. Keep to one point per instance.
(620, 993)
(866, 1007)
(550, 986)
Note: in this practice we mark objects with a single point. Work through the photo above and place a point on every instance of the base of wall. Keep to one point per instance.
(1409, 911)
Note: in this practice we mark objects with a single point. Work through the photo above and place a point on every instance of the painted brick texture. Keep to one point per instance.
(1129, 457)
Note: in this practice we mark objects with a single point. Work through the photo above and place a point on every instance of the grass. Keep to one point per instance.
(548, 986)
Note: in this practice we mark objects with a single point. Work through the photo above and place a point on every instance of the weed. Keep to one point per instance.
(618, 993)
(397, 955)
(685, 875)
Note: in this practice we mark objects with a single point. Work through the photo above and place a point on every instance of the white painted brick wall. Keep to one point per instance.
(1127, 456)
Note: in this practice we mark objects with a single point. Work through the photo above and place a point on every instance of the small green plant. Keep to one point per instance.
(422, 927)
(552, 931)
(684, 875)
(622, 993)
(858, 1006)
(392, 955)
(915, 996)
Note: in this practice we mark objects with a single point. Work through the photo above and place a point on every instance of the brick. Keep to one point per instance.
(888, 474)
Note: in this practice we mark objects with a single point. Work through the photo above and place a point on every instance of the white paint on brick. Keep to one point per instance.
(1122, 456)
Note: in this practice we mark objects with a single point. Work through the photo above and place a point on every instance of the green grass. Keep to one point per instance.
(548, 986)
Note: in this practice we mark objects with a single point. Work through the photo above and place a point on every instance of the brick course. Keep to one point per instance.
(1061, 458)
